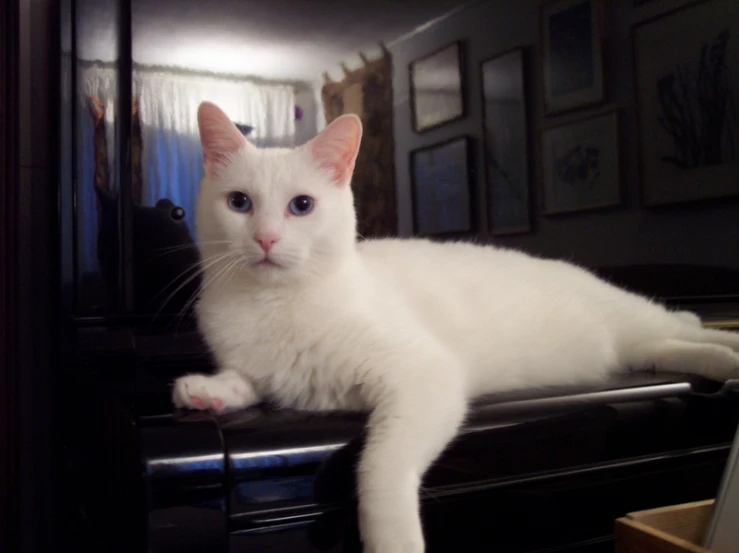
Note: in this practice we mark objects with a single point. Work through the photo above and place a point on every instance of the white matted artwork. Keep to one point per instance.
(580, 165)
(572, 54)
(437, 91)
(687, 77)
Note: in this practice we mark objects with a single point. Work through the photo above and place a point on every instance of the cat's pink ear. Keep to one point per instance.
(218, 135)
(337, 146)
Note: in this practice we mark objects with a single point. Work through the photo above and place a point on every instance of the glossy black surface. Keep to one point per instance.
(121, 258)
(185, 473)
(140, 479)
(275, 481)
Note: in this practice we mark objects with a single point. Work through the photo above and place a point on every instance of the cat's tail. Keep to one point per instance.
(693, 330)
(689, 317)
(725, 338)
(691, 349)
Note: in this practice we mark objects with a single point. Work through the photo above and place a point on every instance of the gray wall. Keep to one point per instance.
(705, 234)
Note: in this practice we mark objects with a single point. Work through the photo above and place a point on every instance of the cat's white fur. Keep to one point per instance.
(408, 329)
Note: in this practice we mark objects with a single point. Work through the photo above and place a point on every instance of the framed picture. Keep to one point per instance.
(506, 144)
(441, 186)
(572, 56)
(581, 165)
(437, 88)
(687, 94)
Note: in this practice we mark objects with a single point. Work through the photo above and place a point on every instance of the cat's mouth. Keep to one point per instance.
(267, 262)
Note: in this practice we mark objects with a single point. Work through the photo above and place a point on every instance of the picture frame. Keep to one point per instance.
(506, 143)
(581, 164)
(571, 34)
(437, 88)
(442, 188)
(687, 103)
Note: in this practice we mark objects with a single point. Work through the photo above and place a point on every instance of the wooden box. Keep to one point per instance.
(675, 529)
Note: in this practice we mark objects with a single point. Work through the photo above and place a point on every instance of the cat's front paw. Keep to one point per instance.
(391, 530)
(227, 391)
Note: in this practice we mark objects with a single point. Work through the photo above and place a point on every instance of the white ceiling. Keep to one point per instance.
(275, 39)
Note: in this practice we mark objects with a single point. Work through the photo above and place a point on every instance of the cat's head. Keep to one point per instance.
(280, 216)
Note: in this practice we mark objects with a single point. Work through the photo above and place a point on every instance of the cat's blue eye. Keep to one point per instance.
(240, 202)
(301, 205)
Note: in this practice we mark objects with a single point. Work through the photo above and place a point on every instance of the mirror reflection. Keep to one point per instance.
(96, 207)
(279, 70)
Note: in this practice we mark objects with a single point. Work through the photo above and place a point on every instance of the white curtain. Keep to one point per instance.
(171, 161)
(172, 164)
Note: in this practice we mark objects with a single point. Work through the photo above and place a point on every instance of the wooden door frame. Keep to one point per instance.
(29, 284)
(9, 179)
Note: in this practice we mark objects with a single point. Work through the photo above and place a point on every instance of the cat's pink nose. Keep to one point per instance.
(266, 240)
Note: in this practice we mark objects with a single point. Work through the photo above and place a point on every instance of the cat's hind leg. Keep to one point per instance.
(710, 360)
(222, 392)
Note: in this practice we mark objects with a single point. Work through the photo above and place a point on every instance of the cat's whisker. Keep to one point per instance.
(194, 296)
(426, 492)
(193, 245)
(195, 266)
(169, 298)
(177, 247)
(193, 269)
(171, 250)
(221, 274)
(212, 278)
(191, 300)
(222, 241)
(212, 242)
(199, 270)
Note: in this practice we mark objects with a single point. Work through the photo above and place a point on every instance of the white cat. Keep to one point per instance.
(296, 311)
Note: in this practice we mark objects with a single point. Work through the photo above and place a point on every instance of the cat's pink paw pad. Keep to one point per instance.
(219, 393)
(197, 403)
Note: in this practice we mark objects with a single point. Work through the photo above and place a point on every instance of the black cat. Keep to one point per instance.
(164, 256)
